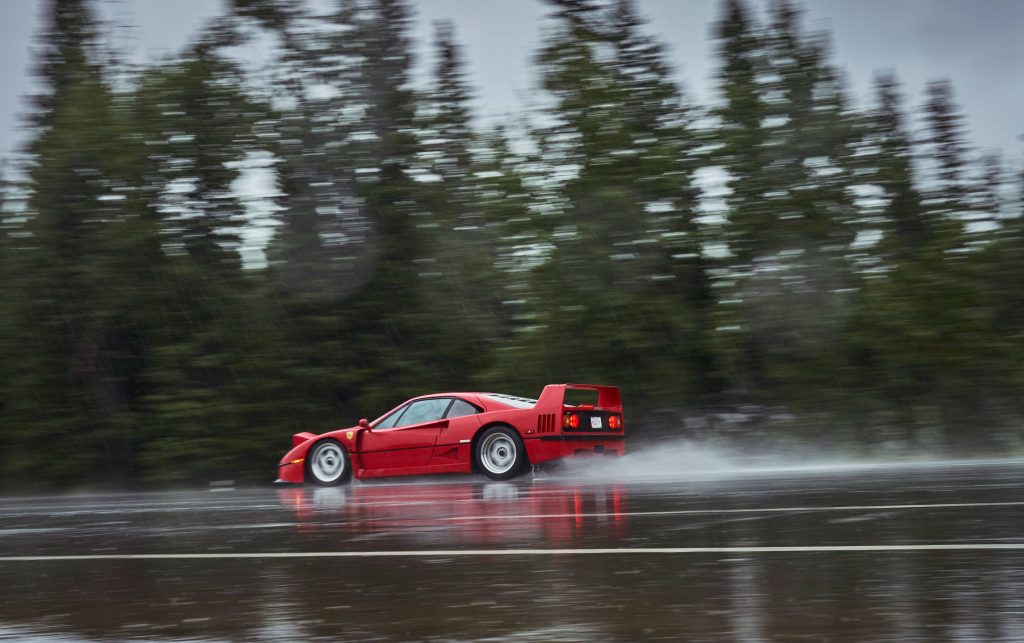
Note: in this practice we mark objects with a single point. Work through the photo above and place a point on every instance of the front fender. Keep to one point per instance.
(292, 467)
(297, 452)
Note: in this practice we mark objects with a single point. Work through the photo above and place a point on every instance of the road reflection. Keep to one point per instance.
(466, 514)
(428, 594)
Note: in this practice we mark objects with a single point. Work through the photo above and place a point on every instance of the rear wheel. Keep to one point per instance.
(499, 453)
(328, 464)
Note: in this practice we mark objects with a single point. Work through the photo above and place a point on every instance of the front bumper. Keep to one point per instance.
(290, 473)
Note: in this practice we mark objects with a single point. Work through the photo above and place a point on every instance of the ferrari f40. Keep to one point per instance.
(494, 434)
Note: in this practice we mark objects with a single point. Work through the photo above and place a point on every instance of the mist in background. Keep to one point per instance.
(291, 223)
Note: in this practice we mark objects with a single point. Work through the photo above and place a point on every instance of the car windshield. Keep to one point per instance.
(511, 400)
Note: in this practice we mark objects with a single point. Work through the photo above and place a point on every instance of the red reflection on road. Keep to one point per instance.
(466, 513)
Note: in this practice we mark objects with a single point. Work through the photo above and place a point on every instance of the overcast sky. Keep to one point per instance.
(977, 44)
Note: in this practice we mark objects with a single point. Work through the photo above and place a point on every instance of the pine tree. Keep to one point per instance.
(876, 343)
(905, 231)
(929, 321)
(989, 203)
(402, 342)
(88, 256)
(349, 257)
(948, 198)
(8, 272)
(661, 145)
(810, 136)
(740, 151)
(459, 275)
(1001, 261)
(450, 135)
(199, 122)
(516, 231)
(785, 138)
(741, 130)
(618, 290)
(198, 390)
(322, 253)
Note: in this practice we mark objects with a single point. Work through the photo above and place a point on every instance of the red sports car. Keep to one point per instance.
(495, 434)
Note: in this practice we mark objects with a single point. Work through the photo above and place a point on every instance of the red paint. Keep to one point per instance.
(446, 445)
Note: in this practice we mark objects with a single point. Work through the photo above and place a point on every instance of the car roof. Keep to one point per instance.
(490, 401)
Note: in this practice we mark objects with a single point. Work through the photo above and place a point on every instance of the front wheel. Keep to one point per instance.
(499, 453)
(328, 464)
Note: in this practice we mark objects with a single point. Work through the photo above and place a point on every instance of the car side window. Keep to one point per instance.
(424, 411)
(460, 408)
(390, 420)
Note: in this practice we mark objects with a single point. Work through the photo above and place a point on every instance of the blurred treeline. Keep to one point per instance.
(780, 266)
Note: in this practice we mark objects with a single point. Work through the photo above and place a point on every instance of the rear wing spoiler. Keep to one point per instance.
(553, 396)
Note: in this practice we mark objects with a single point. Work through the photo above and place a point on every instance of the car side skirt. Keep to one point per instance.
(365, 474)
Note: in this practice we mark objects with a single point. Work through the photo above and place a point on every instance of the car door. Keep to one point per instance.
(452, 451)
(409, 440)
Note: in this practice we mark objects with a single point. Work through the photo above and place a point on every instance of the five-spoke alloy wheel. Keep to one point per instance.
(499, 453)
(327, 463)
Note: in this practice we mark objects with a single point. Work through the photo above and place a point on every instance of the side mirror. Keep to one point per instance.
(364, 423)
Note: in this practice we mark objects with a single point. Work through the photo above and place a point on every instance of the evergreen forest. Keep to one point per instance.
(204, 254)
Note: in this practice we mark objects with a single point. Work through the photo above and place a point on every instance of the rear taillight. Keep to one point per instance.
(614, 421)
(570, 421)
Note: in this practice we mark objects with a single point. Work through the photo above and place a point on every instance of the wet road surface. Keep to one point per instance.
(897, 553)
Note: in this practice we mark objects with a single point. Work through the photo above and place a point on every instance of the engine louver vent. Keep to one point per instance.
(546, 423)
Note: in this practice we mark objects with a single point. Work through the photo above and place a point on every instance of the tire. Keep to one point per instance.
(499, 453)
(328, 464)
